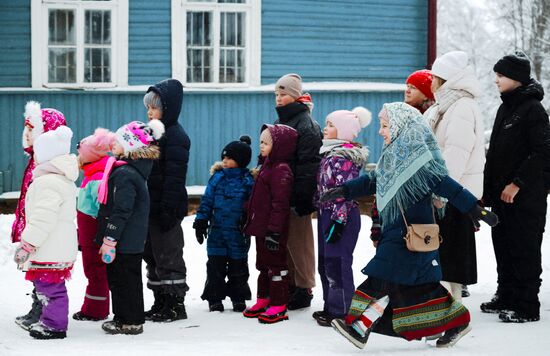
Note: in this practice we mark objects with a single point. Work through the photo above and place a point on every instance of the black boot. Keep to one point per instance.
(465, 292)
(495, 306)
(514, 316)
(239, 306)
(156, 307)
(216, 306)
(32, 317)
(323, 318)
(173, 309)
(41, 332)
(349, 333)
(301, 298)
(452, 336)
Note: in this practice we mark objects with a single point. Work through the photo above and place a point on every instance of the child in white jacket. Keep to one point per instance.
(48, 245)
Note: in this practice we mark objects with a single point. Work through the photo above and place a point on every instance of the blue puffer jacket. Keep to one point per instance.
(222, 205)
(393, 261)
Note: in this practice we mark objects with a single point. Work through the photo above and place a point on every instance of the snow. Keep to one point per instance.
(230, 333)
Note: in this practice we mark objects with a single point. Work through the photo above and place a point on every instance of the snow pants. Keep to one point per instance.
(166, 270)
(273, 279)
(236, 287)
(301, 252)
(124, 276)
(335, 262)
(96, 299)
(55, 304)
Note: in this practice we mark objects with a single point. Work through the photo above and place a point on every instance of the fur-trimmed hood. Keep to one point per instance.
(352, 151)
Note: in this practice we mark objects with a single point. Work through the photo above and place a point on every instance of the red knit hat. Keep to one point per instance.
(422, 80)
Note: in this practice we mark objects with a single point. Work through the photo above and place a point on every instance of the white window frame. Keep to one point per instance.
(253, 56)
(119, 42)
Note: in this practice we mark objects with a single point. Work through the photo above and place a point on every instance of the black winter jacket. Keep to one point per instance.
(167, 180)
(519, 150)
(307, 157)
(125, 216)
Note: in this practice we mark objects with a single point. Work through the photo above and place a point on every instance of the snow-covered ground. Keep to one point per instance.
(229, 333)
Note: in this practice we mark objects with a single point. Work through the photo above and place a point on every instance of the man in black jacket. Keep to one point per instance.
(166, 271)
(294, 110)
(514, 186)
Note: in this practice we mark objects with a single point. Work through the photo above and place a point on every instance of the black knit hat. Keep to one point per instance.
(239, 151)
(514, 66)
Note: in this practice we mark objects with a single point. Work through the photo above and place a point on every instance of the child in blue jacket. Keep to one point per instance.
(219, 218)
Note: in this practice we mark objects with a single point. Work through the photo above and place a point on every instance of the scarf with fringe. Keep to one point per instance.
(409, 165)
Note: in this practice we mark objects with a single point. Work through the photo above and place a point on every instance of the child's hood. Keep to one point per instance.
(171, 95)
(67, 165)
(354, 152)
(218, 167)
(284, 142)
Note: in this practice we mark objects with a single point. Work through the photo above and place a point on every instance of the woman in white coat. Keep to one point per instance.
(458, 126)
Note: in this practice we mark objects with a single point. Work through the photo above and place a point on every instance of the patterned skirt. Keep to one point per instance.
(413, 312)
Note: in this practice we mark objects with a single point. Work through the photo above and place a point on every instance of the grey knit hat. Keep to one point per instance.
(290, 84)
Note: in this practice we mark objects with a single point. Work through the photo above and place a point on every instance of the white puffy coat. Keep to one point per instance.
(458, 127)
(50, 213)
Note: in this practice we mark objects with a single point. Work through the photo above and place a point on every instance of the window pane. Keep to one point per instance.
(97, 65)
(61, 27)
(199, 65)
(61, 65)
(232, 47)
(97, 29)
(198, 28)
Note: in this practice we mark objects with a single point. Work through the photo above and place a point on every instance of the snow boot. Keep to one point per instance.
(273, 315)
(215, 306)
(257, 309)
(350, 333)
(465, 292)
(239, 306)
(173, 309)
(156, 307)
(301, 298)
(452, 336)
(32, 317)
(114, 327)
(495, 306)
(83, 317)
(514, 316)
(323, 318)
(42, 332)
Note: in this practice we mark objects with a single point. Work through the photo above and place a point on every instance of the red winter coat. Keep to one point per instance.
(269, 205)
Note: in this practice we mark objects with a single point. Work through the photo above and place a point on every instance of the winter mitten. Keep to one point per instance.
(201, 228)
(334, 231)
(272, 241)
(108, 250)
(478, 213)
(167, 221)
(333, 194)
(23, 252)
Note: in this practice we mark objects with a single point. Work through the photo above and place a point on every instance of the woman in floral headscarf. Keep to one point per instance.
(403, 285)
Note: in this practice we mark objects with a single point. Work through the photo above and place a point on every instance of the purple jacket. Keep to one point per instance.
(269, 205)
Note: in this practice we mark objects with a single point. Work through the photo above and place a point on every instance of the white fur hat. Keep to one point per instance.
(40, 120)
(52, 144)
(449, 64)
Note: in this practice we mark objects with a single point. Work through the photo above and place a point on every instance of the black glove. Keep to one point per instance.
(167, 221)
(272, 241)
(333, 194)
(201, 230)
(478, 213)
(334, 232)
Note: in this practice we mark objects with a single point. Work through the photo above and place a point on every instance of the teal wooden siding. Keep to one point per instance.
(212, 119)
(149, 41)
(350, 40)
(15, 37)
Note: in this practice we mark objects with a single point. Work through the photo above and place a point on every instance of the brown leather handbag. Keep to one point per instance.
(422, 237)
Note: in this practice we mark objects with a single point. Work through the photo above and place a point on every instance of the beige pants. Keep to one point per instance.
(301, 251)
(455, 289)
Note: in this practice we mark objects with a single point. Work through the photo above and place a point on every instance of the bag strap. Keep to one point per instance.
(405, 220)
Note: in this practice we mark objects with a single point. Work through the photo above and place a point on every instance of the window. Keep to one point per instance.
(216, 42)
(79, 43)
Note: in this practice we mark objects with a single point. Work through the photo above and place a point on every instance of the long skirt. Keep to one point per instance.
(410, 312)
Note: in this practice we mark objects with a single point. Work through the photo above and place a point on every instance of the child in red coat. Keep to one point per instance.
(268, 215)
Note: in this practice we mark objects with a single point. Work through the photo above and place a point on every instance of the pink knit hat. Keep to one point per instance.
(40, 120)
(136, 134)
(96, 146)
(349, 123)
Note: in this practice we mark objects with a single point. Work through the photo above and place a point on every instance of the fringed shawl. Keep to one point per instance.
(410, 165)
